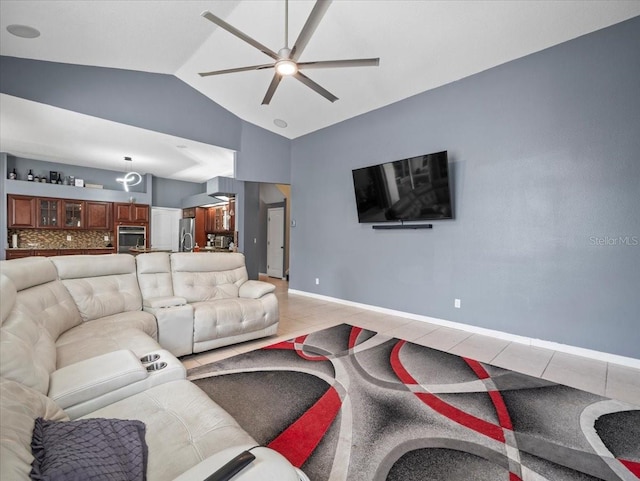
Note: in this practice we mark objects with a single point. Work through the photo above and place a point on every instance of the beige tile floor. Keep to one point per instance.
(301, 315)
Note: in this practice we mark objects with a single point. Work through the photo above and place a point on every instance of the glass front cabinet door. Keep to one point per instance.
(73, 211)
(48, 213)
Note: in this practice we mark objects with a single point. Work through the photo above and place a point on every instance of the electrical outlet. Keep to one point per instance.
(106, 238)
(317, 281)
(68, 237)
(456, 303)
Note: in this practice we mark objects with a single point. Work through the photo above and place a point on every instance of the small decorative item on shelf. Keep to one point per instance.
(72, 180)
(35, 178)
(13, 175)
(30, 176)
(79, 183)
(66, 181)
(43, 179)
(53, 176)
(59, 179)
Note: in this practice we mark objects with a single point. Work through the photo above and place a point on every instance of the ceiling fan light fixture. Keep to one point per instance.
(286, 67)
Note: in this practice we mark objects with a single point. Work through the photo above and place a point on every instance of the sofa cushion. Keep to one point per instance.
(87, 341)
(154, 275)
(29, 271)
(100, 285)
(7, 295)
(207, 276)
(27, 350)
(40, 295)
(19, 408)
(113, 449)
(184, 426)
(227, 317)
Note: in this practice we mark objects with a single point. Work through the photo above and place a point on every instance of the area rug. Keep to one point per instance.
(348, 403)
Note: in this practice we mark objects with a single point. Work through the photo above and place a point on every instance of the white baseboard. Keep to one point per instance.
(529, 341)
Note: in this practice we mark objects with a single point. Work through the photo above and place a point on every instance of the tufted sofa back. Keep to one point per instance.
(100, 285)
(36, 310)
(154, 275)
(20, 406)
(206, 276)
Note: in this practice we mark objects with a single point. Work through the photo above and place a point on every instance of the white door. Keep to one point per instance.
(164, 228)
(275, 242)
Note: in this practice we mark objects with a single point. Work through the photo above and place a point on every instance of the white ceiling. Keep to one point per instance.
(37, 131)
(421, 44)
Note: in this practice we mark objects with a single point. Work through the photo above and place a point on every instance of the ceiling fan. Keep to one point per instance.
(286, 61)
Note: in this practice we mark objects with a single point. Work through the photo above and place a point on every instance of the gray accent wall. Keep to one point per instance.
(545, 158)
(170, 192)
(158, 102)
(263, 156)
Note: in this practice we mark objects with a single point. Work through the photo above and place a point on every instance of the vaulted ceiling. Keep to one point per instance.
(421, 45)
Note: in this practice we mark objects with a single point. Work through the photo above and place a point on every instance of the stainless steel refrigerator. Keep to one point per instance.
(187, 233)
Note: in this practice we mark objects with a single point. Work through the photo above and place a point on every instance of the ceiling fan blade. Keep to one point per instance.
(234, 70)
(314, 86)
(272, 88)
(242, 36)
(361, 62)
(319, 9)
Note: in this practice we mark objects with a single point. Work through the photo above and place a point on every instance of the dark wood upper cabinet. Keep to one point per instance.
(21, 211)
(131, 213)
(98, 215)
(140, 213)
(48, 213)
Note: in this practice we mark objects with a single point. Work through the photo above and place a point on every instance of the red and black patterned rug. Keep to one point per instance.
(350, 404)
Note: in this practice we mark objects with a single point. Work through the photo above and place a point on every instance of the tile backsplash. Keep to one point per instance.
(57, 239)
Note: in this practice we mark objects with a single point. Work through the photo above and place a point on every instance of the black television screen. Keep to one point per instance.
(404, 190)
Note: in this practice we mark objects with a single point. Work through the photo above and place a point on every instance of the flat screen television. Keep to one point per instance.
(411, 189)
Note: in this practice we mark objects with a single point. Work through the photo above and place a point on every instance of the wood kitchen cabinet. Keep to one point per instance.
(48, 213)
(73, 214)
(215, 219)
(21, 211)
(45, 252)
(19, 253)
(131, 213)
(98, 215)
(210, 220)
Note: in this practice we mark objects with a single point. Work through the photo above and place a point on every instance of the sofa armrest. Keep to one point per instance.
(255, 289)
(175, 328)
(165, 301)
(268, 464)
(95, 377)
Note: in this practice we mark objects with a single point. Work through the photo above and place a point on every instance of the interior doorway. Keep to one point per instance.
(275, 242)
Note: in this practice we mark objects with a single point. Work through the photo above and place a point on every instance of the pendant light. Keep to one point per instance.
(131, 177)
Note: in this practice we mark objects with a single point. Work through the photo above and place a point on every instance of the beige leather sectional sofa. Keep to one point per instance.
(97, 337)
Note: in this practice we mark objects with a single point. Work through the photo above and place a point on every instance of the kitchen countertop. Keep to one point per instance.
(214, 249)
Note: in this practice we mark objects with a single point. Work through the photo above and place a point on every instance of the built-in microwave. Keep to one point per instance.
(221, 242)
(131, 236)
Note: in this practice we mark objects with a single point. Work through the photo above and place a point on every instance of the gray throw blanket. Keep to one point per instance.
(89, 450)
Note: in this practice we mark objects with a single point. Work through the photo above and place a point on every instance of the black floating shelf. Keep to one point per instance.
(402, 226)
